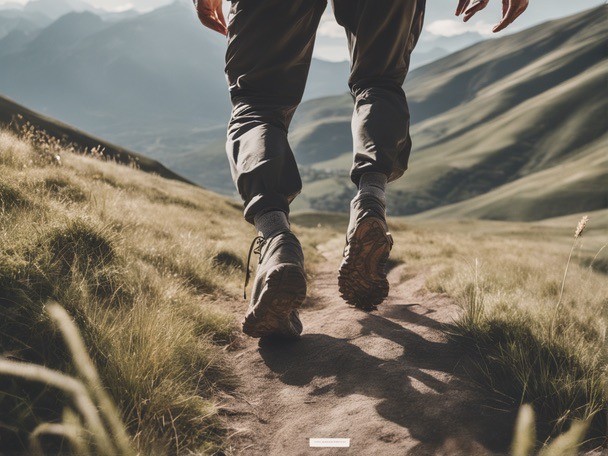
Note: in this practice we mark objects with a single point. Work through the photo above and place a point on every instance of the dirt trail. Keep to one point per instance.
(388, 380)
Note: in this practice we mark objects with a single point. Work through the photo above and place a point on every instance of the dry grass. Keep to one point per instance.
(533, 342)
(143, 264)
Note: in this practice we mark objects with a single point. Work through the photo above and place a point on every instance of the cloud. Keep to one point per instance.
(450, 27)
(329, 28)
(121, 8)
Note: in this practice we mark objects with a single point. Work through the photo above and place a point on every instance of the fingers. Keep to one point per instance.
(462, 4)
(474, 7)
(512, 9)
(220, 16)
(211, 19)
(211, 23)
(515, 9)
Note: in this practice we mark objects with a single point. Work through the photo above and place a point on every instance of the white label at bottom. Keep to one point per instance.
(329, 443)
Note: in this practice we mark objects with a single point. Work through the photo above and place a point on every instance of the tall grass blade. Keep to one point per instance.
(72, 387)
(567, 443)
(69, 432)
(524, 438)
(87, 371)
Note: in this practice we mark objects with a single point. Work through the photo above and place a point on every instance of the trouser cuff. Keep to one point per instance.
(260, 204)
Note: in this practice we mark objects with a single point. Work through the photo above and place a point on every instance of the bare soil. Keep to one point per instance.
(389, 380)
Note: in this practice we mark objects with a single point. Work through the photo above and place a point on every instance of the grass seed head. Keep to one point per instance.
(581, 227)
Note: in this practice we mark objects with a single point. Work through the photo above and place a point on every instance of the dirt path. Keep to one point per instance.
(388, 380)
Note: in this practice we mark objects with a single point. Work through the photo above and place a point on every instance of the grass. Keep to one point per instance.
(532, 341)
(143, 265)
(101, 430)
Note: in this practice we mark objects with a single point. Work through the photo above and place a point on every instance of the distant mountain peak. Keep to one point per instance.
(57, 8)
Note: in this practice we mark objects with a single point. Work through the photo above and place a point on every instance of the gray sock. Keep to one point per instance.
(271, 223)
(373, 183)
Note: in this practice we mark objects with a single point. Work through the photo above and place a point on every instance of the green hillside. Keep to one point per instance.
(485, 117)
(577, 185)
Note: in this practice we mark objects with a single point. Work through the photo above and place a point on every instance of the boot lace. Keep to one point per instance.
(256, 247)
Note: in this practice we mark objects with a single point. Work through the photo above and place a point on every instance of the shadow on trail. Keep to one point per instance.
(438, 414)
(403, 312)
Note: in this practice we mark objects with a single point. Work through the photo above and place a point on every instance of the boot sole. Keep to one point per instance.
(362, 276)
(284, 291)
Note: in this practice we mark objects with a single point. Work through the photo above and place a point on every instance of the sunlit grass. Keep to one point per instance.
(91, 422)
(536, 332)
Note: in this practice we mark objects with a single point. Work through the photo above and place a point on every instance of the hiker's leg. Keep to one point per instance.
(381, 36)
(269, 52)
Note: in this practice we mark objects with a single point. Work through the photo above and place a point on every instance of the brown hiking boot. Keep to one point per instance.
(279, 287)
(362, 276)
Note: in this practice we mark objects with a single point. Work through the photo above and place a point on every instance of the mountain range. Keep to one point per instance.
(495, 123)
(512, 128)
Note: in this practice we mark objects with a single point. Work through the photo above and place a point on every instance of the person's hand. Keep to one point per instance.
(210, 14)
(511, 10)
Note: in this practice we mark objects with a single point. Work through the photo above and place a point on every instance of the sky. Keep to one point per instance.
(114, 5)
(440, 20)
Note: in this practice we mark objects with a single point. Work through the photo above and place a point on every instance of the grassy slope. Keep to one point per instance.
(140, 262)
(490, 115)
(577, 185)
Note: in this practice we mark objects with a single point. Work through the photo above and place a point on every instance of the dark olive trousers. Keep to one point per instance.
(269, 51)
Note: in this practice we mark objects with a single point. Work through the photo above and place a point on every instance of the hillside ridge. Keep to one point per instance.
(12, 112)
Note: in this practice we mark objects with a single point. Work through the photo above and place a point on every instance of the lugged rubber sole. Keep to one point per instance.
(362, 276)
(283, 293)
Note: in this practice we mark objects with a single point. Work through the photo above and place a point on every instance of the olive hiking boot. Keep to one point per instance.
(362, 276)
(279, 288)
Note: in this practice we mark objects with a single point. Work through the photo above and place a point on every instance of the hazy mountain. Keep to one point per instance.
(449, 44)
(97, 74)
(10, 5)
(429, 48)
(420, 58)
(487, 119)
(56, 8)
(15, 20)
(26, 20)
